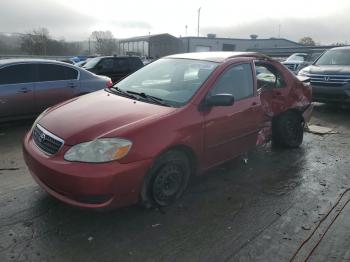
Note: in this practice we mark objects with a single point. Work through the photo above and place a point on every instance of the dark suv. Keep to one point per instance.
(330, 76)
(115, 67)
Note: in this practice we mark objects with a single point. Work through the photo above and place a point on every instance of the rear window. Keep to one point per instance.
(50, 72)
(16, 74)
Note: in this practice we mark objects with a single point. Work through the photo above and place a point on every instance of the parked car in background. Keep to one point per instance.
(115, 67)
(178, 116)
(68, 61)
(297, 61)
(330, 76)
(28, 86)
(81, 63)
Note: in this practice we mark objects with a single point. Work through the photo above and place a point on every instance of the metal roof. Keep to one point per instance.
(144, 37)
(29, 60)
(218, 56)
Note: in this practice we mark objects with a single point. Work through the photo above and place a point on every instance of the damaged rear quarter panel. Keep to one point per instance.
(294, 96)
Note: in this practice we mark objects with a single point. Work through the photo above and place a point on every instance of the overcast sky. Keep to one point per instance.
(325, 21)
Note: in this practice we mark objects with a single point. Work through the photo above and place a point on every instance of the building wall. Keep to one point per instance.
(195, 44)
(163, 45)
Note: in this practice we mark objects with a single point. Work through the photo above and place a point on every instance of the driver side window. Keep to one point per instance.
(237, 81)
(268, 77)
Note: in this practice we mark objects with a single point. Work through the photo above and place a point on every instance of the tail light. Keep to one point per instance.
(109, 84)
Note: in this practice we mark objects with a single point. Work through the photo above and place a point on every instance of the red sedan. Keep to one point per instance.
(141, 140)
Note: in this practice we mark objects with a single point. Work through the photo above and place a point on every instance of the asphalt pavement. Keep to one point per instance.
(279, 205)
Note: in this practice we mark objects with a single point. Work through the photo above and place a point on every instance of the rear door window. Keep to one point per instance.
(106, 65)
(135, 63)
(51, 72)
(17, 74)
(268, 76)
(71, 73)
(121, 65)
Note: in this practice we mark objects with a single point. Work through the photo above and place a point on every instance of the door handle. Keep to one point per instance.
(24, 90)
(71, 85)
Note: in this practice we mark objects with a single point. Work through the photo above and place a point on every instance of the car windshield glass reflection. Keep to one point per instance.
(174, 81)
(335, 57)
(297, 57)
(91, 63)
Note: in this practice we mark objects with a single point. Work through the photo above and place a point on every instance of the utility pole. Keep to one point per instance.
(89, 46)
(279, 31)
(199, 15)
(186, 30)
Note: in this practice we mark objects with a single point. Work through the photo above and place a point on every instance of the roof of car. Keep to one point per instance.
(218, 56)
(29, 60)
(341, 47)
(118, 56)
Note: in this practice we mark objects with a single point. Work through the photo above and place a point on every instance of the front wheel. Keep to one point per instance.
(167, 180)
(288, 130)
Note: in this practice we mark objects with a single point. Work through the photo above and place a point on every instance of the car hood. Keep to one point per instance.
(328, 69)
(98, 114)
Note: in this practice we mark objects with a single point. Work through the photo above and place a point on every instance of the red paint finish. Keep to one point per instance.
(213, 135)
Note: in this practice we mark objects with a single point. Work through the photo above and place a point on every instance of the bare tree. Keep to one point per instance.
(307, 40)
(36, 42)
(39, 42)
(104, 42)
(3, 47)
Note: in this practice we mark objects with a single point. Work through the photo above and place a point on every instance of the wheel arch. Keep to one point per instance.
(189, 152)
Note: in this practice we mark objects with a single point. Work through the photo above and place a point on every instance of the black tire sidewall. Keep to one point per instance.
(170, 157)
(280, 136)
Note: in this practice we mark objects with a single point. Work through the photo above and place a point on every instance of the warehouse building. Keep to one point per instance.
(165, 44)
(151, 45)
(212, 43)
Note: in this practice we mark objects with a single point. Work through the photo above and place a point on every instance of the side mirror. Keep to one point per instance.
(220, 100)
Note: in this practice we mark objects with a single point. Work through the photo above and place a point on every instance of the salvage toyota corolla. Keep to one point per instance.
(141, 140)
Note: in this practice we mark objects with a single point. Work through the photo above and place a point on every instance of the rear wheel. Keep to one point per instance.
(288, 130)
(167, 180)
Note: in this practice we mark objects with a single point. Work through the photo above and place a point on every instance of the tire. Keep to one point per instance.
(288, 130)
(167, 179)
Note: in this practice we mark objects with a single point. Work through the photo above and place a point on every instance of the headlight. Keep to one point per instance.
(302, 73)
(99, 151)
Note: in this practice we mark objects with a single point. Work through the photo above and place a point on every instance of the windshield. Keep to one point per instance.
(297, 57)
(335, 57)
(92, 62)
(174, 81)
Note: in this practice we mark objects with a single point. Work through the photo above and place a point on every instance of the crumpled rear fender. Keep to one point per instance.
(297, 98)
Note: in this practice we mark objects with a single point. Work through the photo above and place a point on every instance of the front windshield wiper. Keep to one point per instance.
(117, 90)
(154, 99)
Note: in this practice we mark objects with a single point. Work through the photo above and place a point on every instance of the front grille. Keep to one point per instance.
(329, 80)
(46, 141)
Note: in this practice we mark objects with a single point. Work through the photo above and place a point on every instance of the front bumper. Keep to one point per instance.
(331, 94)
(85, 185)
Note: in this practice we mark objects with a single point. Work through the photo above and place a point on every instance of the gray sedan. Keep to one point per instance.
(29, 86)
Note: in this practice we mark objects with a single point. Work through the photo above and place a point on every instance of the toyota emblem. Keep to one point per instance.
(42, 137)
